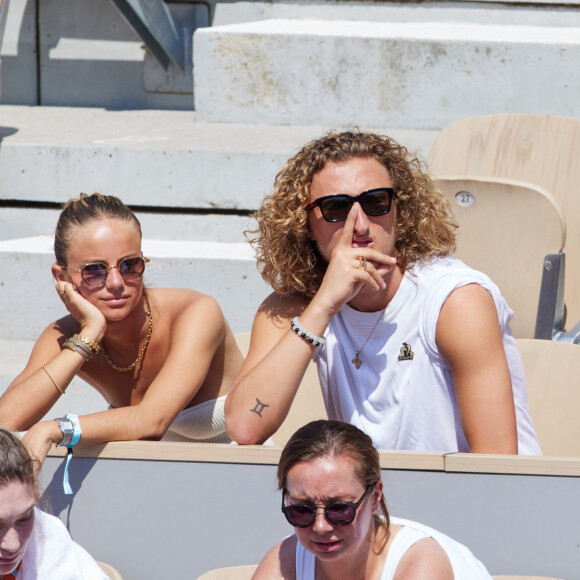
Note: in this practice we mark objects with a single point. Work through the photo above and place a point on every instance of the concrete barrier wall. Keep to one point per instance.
(178, 510)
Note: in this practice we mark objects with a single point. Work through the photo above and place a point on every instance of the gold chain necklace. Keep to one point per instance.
(145, 344)
(356, 361)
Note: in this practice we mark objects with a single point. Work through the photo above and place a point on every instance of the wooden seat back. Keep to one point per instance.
(512, 255)
(552, 369)
(540, 149)
(230, 573)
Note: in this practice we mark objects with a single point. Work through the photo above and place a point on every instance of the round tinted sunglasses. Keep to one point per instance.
(335, 208)
(340, 513)
(95, 273)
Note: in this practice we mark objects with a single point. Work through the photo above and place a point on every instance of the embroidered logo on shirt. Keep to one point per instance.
(406, 353)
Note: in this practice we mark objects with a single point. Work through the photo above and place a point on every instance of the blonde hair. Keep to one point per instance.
(290, 261)
(83, 209)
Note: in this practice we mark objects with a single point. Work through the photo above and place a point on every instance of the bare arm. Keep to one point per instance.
(278, 358)
(424, 560)
(279, 562)
(197, 333)
(32, 393)
(469, 338)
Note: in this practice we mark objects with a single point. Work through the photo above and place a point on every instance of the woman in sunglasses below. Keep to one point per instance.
(164, 359)
(412, 345)
(332, 494)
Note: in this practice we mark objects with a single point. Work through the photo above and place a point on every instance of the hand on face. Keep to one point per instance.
(347, 274)
(84, 312)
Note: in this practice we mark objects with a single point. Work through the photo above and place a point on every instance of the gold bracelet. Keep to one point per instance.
(53, 381)
(94, 346)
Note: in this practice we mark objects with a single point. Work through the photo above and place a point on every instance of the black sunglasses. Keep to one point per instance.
(95, 273)
(340, 513)
(335, 207)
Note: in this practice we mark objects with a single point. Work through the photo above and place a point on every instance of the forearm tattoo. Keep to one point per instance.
(259, 407)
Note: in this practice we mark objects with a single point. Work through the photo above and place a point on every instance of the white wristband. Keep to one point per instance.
(302, 332)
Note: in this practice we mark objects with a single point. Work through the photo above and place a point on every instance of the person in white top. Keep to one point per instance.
(411, 345)
(332, 493)
(34, 545)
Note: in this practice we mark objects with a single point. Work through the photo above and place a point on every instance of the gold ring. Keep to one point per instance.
(363, 263)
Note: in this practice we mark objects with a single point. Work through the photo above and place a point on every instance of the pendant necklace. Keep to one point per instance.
(356, 361)
(145, 344)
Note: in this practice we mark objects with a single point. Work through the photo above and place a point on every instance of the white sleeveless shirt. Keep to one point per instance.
(403, 395)
(465, 565)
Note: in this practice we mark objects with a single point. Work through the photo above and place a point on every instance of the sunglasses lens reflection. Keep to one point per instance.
(129, 268)
(340, 514)
(303, 516)
(132, 268)
(94, 274)
(374, 203)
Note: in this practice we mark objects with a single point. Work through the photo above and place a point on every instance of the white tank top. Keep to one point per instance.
(465, 565)
(403, 395)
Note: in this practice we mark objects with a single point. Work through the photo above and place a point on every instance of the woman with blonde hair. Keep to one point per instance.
(164, 359)
(332, 493)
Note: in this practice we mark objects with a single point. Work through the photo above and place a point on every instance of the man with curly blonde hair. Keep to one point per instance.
(412, 346)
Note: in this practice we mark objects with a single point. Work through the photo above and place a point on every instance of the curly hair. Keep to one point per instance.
(329, 438)
(290, 261)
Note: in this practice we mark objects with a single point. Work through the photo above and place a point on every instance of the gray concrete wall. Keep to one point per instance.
(179, 519)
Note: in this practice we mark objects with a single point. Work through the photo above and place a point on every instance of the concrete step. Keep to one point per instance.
(226, 271)
(393, 74)
(151, 158)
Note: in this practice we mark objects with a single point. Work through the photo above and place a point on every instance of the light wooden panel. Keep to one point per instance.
(540, 149)
(506, 228)
(230, 573)
(553, 380)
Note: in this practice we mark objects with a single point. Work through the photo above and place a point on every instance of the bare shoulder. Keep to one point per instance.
(472, 300)
(468, 313)
(279, 562)
(425, 560)
(278, 309)
(178, 301)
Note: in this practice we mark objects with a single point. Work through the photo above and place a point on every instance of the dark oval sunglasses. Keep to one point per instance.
(340, 513)
(96, 273)
(335, 207)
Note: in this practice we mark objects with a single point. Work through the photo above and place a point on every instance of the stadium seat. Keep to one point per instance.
(230, 573)
(552, 370)
(111, 572)
(539, 149)
(486, 209)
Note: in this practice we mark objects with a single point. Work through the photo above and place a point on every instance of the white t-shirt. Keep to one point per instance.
(403, 394)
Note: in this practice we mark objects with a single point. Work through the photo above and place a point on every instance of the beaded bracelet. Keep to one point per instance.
(302, 332)
(79, 346)
(94, 346)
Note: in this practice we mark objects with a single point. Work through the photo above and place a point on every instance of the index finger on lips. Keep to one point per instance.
(348, 229)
